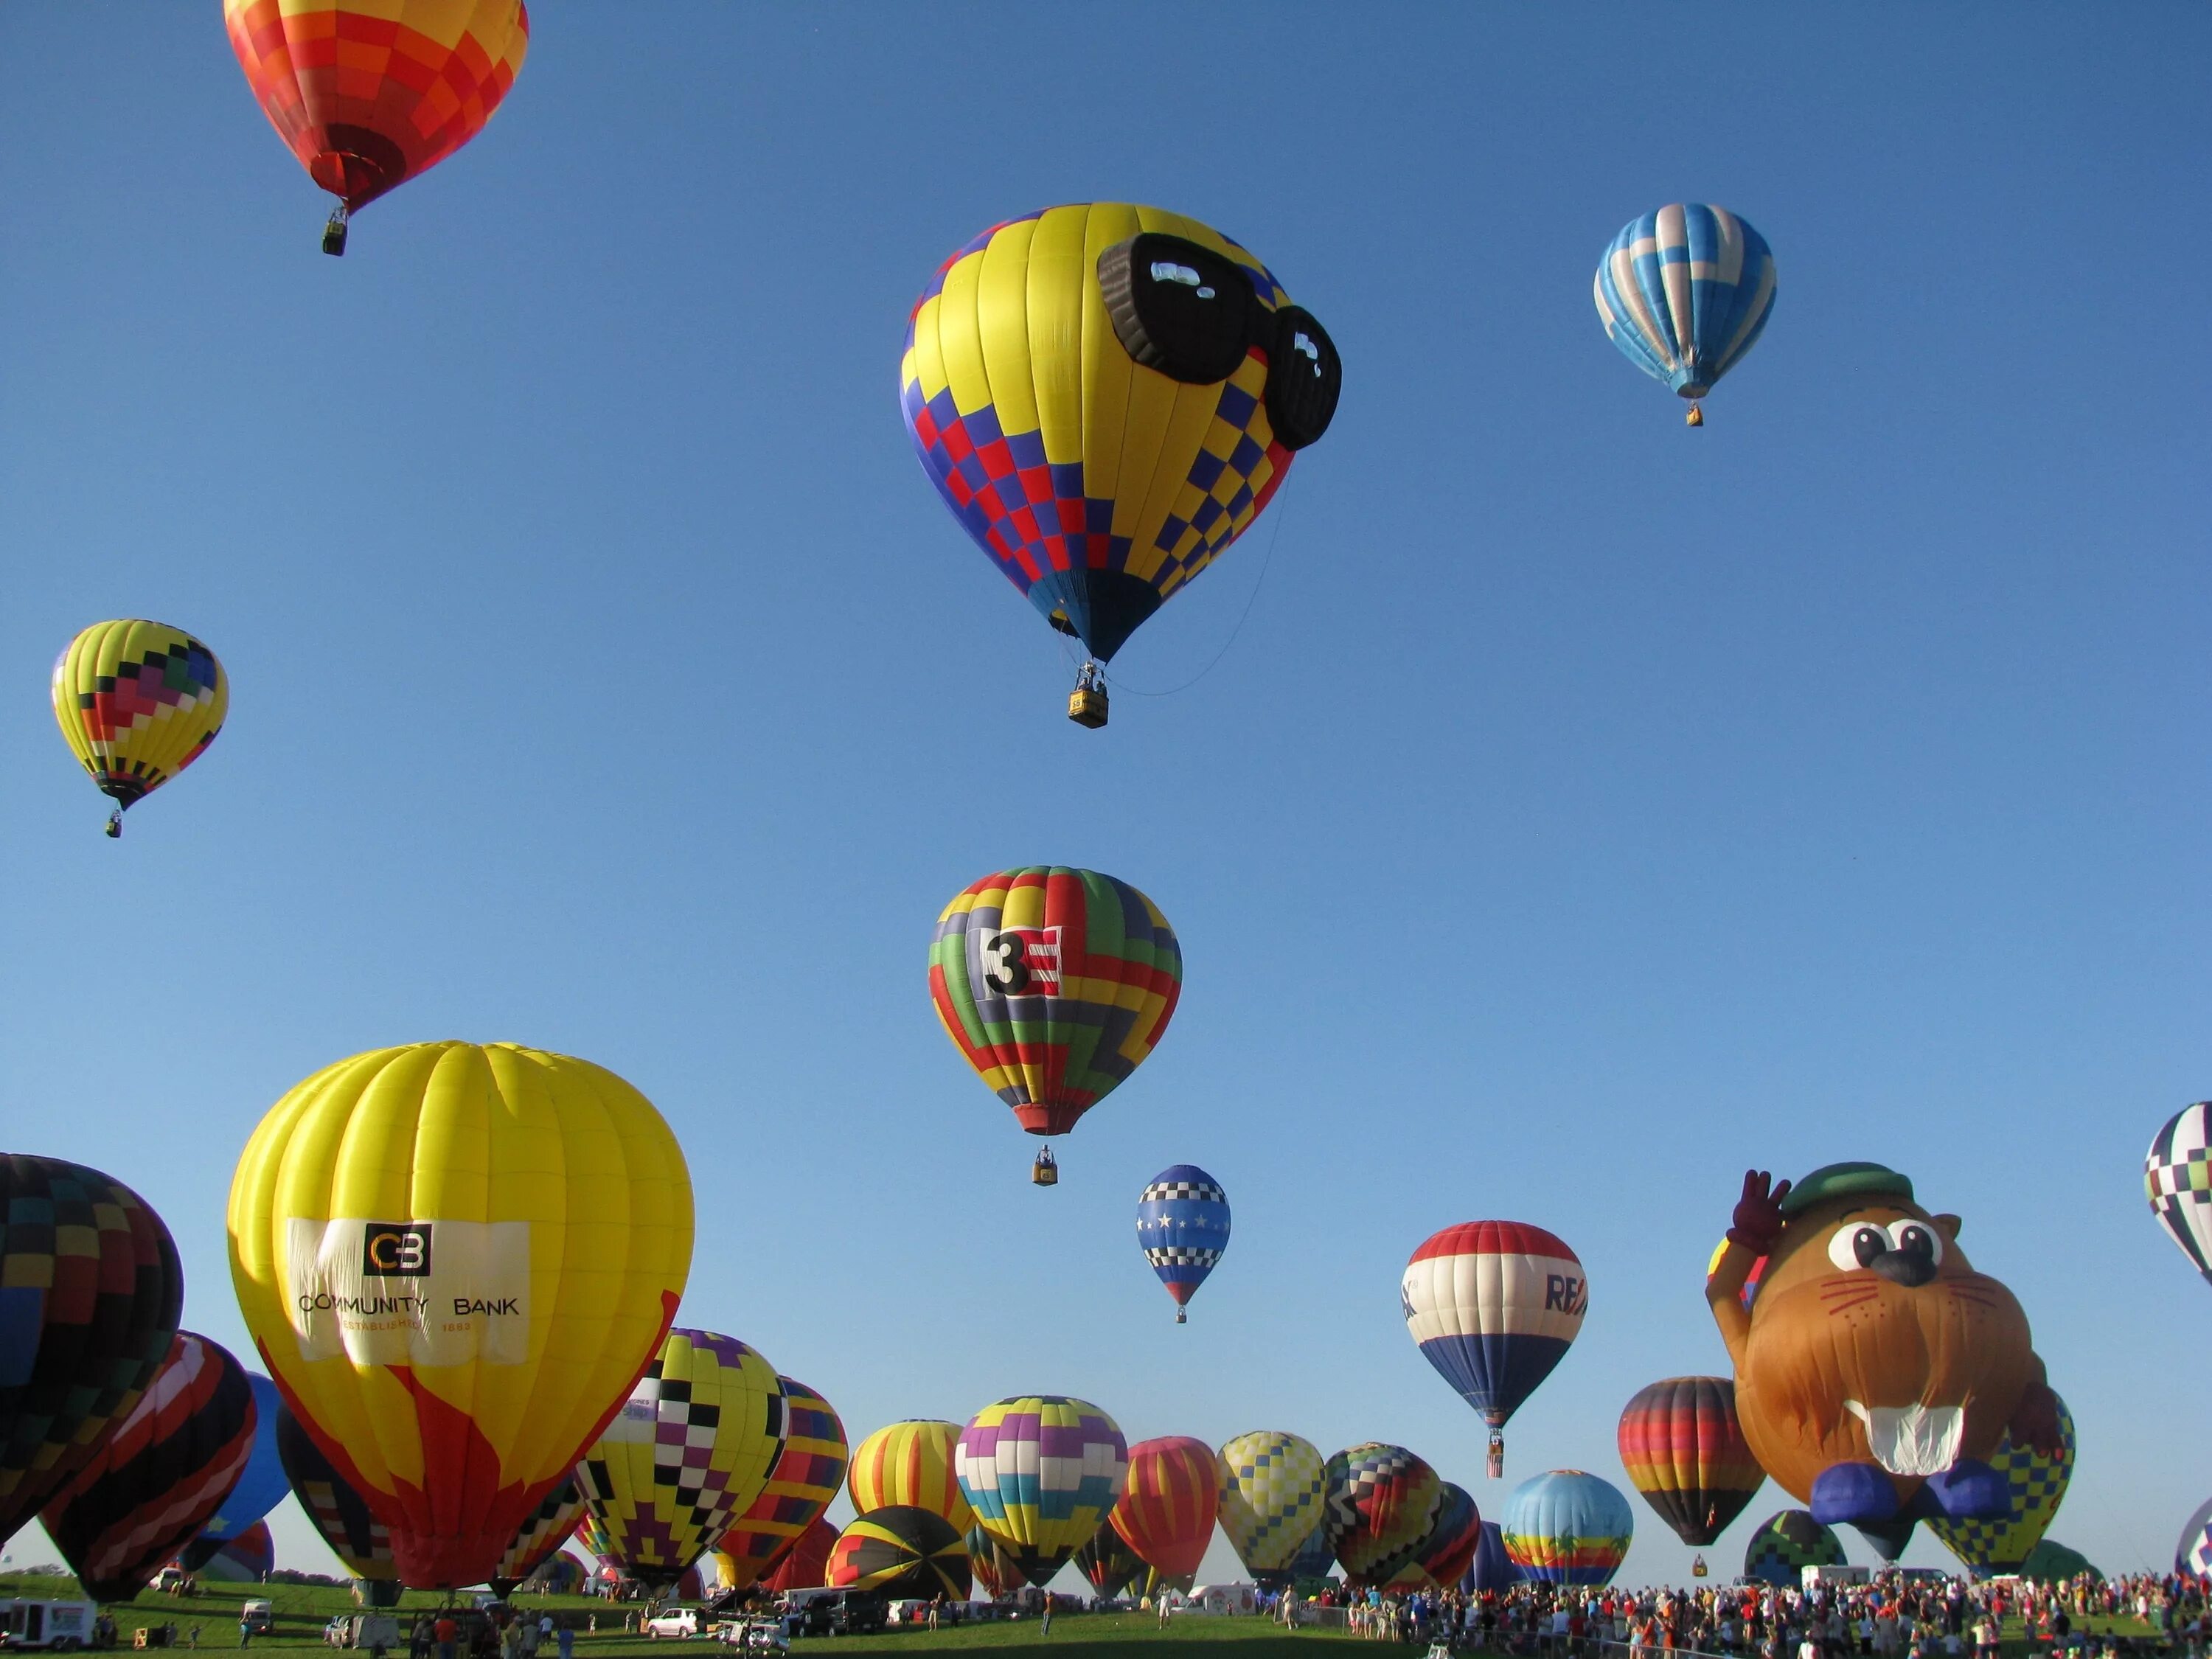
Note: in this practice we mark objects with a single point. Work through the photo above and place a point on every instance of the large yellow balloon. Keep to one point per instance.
(690, 1448)
(138, 701)
(455, 1262)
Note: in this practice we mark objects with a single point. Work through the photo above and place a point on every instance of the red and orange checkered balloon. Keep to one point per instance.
(369, 93)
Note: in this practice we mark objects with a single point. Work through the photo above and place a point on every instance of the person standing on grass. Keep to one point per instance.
(443, 1632)
(1044, 1624)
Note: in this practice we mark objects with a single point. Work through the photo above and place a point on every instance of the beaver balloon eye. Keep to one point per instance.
(1916, 1238)
(1853, 1247)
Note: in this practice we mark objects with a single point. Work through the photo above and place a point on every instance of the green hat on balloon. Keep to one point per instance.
(1847, 1181)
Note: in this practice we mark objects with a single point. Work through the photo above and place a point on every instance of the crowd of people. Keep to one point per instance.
(1895, 1616)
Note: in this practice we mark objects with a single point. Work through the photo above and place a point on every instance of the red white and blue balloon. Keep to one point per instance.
(1182, 1227)
(1494, 1306)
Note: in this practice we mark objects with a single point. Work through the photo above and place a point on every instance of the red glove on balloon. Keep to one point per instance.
(1757, 1223)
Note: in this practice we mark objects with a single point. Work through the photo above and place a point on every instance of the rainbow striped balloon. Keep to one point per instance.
(1167, 1505)
(1567, 1528)
(1685, 1452)
(1042, 1471)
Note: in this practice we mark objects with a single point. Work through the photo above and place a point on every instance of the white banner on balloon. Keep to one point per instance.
(409, 1292)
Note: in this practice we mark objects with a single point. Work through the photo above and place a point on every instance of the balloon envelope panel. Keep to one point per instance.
(535, 1205)
(1567, 1528)
(1448, 1552)
(1040, 1472)
(1274, 1490)
(262, 1484)
(1493, 1569)
(91, 1292)
(340, 1514)
(1054, 984)
(154, 1482)
(806, 1562)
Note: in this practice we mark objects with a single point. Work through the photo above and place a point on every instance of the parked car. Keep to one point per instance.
(672, 1622)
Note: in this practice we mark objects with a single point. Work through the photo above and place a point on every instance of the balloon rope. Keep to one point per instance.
(1267, 559)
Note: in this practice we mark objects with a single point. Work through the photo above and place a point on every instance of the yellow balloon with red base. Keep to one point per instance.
(456, 1261)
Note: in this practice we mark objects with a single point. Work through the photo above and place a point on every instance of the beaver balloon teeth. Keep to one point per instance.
(1913, 1439)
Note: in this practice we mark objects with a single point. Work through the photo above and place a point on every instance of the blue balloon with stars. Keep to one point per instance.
(1182, 1227)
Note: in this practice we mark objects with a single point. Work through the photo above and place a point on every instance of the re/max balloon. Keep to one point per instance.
(1106, 397)
(1274, 1492)
(1567, 1528)
(1685, 1452)
(369, 93)
(1169, 1497)
(1040, 1472)
(152, 1484)
(1182, 1228)
(138, 702)
(89, 1294)
(1054, 984)
(688, 1452)
(538, 1204)
(1493, 1306)
(1684, 293)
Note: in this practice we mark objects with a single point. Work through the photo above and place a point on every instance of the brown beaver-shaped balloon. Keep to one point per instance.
(1875, 1371)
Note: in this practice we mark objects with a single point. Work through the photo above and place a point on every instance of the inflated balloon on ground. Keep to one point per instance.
(1382, 1501)
(805, 1562)
(1785, 1544)
(1040, 1472)
(901, 1551)
(1274, 1492)
(1106, 1562)
(91, 1292)
(456, 1261)
(260, 1487)
(1567, 1528)
(801, 1485)
(1448, 1552)
(339, 1513)
(911, 1462)
(1169, 1497)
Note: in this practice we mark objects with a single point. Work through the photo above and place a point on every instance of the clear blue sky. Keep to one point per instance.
(1588, 809)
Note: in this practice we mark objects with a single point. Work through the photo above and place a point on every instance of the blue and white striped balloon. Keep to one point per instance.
(1684, 292)
(1182, 1227)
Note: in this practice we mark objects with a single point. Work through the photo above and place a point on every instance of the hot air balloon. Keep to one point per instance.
(152, 1484)
(1274, 1492)
(1107, 1562)
(89, 1294)
(456, 1261)
(1494, 1571)
(548, 1527)
(138, 702)
(559, 1574)
(1054, 984)
(1448, 1552)
(688, 1453)
(1315, 1557)
(1684, 293)
(1107, 397)
(2037, 1485)
(2051, 1563)
(1493, 1305)
(261, 1487)
(246, 1559)
(1182, 1228)
(807, 1474)
(1382, 1501)
(804, 1562)
(1168, 1501)
(1786, 1543)
(2193, 1554)
(910, 1462)
(996, 1576)
(355, 1537)
(2177, 1179)
(901, 1551)
(1888, 1538)
(1040, 1472)
(1685, 1451)
(369, 93)
(1567, 1528)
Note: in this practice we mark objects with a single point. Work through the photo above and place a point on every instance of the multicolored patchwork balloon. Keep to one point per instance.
(1055, 984)
(1106, 396)
(1169, 1498)
(90, 1291)
(910, 1462)
(1786, 1543)
(2178, 1181)
(1273, 1495)
(1684, 293)
(1493, 1306)
(369, 93)
(901, 1551)
(550, 1525)
(2193, 1554)
(152, 1484)
(1685, 1452)
(340, 1514)
(690, 1450)
(1382, 1501)
(1182, 1228)
(1106, 1562)
(1448, 1552)
(246, 1559)
(1567, 1528)
(456, 1259)
(1042, 1471)
(2037, 1486)
(1000, 1576)
(807, 1474)
(138, 702)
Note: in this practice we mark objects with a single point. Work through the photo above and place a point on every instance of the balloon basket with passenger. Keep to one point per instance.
(1044, 1172)
(1087, 703)
(334, 232)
